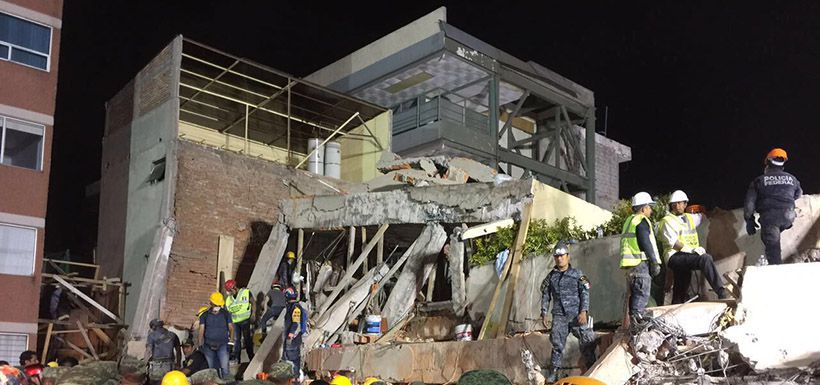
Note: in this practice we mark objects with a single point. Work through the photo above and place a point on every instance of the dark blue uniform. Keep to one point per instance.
(570, 292)
(296, 324)
(772, 195)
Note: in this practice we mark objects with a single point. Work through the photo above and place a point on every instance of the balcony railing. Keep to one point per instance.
(427, 110)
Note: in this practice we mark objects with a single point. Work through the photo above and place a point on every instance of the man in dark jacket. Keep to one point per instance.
(194, 359)
(164, 354)
(772, 195)
(295, 328)
(568, 289)
(216, 331)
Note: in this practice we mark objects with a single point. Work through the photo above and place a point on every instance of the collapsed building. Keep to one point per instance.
(202, 181)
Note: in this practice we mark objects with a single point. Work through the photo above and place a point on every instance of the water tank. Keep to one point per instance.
(333, 160)
(316, 163)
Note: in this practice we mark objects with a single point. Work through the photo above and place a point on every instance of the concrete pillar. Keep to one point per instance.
(455, 259)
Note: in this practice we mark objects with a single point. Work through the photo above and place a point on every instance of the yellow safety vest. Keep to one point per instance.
(631, 254)
(687, 232)
(240, 307)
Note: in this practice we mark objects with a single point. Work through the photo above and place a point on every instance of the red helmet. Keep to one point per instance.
(290, 294)
(230, 284)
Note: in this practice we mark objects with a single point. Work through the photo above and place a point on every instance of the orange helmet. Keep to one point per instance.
(777, 156)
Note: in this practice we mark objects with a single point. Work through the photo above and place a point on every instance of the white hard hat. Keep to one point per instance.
(678, 196)
(642, 198)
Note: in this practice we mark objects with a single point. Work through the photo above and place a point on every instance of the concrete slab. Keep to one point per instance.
(777, 315)
(694, 318)
(615, 366)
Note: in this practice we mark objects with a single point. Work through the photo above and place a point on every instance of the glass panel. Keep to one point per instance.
(25, 33)
(4, 52)
(29, 58)
(17, 245)
(22, 149)
(11, 345)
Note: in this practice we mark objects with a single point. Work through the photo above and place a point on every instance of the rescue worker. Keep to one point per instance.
(242, 307)
(639, 255)
(195, 325)
(281, 373)
(216, 332)
(295, 327)
(164, 352)
(340, 380)
(194, 359)
(286, 270)
(276, 303)
(772, 195)
(568, 290)
(682, 251)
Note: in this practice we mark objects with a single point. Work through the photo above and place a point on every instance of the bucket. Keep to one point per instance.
(464, 332)
(373, 324)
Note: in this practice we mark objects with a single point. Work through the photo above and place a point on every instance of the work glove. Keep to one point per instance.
(751, 226)
(699, 250)
(654, 269)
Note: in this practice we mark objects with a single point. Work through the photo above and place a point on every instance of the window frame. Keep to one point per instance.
(28, 339)
(31, 51)
(34, 257)
(3, 127)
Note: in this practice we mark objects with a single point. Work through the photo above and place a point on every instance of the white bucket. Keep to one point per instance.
(333, 160)
(373, 325)
(464, 332)
(316, 162)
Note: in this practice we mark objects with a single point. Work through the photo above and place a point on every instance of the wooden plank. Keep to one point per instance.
(109, 281)
(47, 342)
(380, 252)
(349, 273)
(102, 336)
(431, 284)
(489, 329)
(91, 325)
(74, 347)
(224, 258)
(351, 246)
(517, 256)
(87, 340)
(485, 229)
(87, 298)
(391, 334)
(365, 264)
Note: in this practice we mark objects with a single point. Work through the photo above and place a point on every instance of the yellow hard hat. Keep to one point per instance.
(175, 377)
(217, 299)
(291, 255)
(575, 380)
(338, 380)
(202, 309)
(52, 364)
(370, 380)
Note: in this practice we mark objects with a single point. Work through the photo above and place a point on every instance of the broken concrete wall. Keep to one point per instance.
(223, 193)
(550, 203)
(777, 311)
(360, 154)
(597, 258)
(439, 362)
(415, 271)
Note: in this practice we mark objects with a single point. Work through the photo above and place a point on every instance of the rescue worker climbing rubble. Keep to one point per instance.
(286, 269)
(242, 307)
(639, 255)
(568, 290)
(772, 195)
(682, 250)
(295, 328)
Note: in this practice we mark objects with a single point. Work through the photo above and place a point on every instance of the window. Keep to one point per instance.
(157, 171)
(18, 247)
(11, 345)
(21, 143)
(24, 42)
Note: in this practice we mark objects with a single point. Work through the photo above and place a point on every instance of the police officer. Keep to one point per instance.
(772, 195)
(639, 255)
(682, 250)
(295, 327)
(569, 287)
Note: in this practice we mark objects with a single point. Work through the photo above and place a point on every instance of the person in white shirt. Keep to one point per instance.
(682, 251)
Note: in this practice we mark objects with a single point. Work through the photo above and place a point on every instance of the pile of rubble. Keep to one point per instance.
(720, 343)
(427, 171)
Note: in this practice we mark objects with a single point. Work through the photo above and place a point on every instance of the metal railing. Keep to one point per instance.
(427, 110)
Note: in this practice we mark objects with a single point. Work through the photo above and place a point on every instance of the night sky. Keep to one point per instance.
(699, 90)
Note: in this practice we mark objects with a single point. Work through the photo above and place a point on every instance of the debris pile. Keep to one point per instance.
(427, 171)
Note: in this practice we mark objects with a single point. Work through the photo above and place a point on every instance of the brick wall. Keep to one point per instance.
(223, 193)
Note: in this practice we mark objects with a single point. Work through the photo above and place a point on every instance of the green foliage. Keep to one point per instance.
(541, 238)
(542, 235)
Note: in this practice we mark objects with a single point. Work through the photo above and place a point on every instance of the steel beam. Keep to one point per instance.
(535, 166)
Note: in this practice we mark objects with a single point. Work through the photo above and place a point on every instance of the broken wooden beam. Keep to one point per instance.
(486, 229)
(87, 298)
(44, 356)
(87, 340)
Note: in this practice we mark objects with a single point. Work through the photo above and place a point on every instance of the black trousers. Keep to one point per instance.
(682, 265)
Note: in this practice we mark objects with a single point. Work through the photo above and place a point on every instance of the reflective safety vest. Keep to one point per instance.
(239, 306)
(631, 254)
(687, 232)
